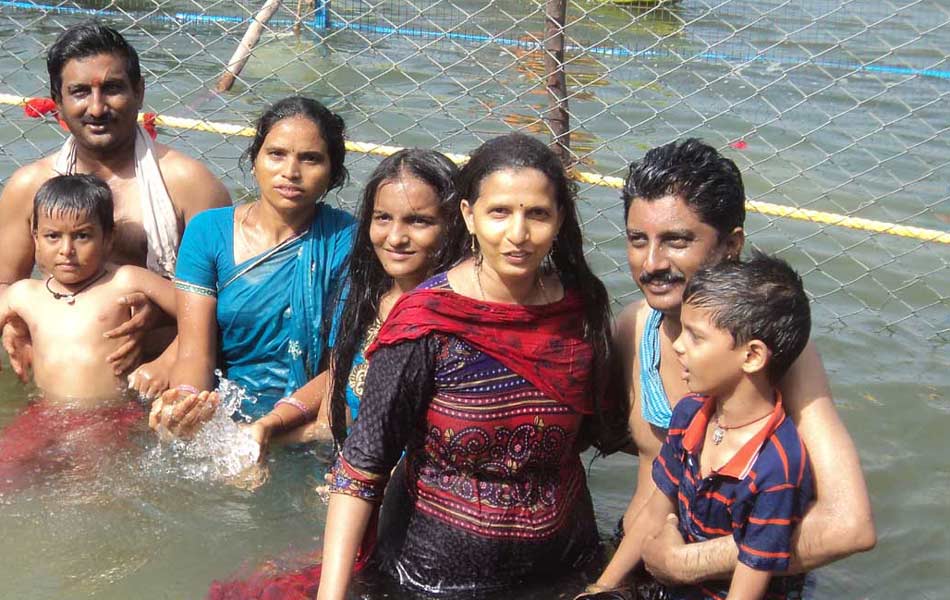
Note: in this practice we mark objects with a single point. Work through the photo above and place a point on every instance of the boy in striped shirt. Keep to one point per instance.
(732, 463)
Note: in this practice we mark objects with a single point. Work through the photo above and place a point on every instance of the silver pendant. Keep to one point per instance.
(70, 299)
(718, 434)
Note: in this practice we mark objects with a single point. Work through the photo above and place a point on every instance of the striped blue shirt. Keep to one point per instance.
(757, 497)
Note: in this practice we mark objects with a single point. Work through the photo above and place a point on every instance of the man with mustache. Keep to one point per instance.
(684, 209)
(96, 82)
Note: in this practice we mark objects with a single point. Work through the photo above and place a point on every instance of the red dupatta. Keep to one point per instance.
(544, 344)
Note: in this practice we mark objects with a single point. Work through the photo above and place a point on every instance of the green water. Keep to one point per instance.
(821, 137)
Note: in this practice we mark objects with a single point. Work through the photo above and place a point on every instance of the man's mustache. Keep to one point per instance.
(101, 121)
(667, 276)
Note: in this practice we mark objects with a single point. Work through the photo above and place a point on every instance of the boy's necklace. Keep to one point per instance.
(71, 298)
(720, 430)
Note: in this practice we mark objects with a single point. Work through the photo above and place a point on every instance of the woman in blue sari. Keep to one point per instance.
(403, 216)
(399, 242)
(253, 281)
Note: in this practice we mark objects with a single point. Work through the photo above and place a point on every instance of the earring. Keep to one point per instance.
(476, 252)
(547, 265)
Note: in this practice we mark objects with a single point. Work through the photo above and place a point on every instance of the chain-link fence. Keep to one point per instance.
(830, 106)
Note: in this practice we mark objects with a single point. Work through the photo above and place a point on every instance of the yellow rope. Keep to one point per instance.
(765, 208)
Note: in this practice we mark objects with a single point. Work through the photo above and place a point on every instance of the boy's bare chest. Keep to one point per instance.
(92, 312)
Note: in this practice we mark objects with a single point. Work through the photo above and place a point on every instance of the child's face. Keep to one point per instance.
(712, 363)
(71, 248)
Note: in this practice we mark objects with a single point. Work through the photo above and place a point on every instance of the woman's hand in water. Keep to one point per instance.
(261, 432)
(19, 345)
(181, 413)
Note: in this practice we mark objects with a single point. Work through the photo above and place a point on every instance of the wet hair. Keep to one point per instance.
(708, 182)
(331, 125)
(75, 196)
(759, 299)
(518, 151)
(82, 41)
(367, 280)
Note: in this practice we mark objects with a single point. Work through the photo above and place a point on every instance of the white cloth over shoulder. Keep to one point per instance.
(158, 212)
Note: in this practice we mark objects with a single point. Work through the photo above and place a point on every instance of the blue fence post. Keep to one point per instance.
(321, 15)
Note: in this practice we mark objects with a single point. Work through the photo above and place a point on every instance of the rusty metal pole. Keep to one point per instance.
(557, 116)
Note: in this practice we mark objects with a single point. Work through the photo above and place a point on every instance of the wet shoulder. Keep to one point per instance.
(25, 181)
(179, 169)
(22, 294)
(333, 216)
(213, 219)
(336, 226)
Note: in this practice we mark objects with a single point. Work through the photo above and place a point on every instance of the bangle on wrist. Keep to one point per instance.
(291, 401)
(187, 389)
(279, 417)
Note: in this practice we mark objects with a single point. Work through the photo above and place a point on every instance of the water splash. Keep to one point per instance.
(221, 450)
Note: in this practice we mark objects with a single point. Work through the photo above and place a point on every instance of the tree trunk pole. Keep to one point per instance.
(557, 116)
(298, 18)
(243, 51)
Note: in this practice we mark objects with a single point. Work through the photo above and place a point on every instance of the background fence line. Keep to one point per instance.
(766, 208)
(833, 110)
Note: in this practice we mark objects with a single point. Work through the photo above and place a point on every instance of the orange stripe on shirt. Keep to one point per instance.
(779, 487)
(759, 521)
(751, 550)
(662, 462)
(719, 497)
(707, 529)
(781, 454)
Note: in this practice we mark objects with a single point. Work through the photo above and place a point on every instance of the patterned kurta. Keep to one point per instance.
(492, 491)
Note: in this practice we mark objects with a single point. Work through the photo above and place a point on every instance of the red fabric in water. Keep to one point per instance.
(38, 438)
(299, 584)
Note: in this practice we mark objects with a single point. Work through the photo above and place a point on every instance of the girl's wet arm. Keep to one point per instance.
(347, 520)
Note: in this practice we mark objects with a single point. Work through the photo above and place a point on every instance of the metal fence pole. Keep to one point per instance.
(557, 116)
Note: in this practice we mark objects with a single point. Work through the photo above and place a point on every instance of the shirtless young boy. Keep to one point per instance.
(97, 83)
(69, 310)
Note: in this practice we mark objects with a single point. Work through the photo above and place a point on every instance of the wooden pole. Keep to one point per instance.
(557, 116)
(243, 51)
(298, 18)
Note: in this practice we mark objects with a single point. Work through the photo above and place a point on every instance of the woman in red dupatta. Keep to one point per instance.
(482, 377)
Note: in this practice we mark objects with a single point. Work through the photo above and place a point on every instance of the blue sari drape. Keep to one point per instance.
(269, 308)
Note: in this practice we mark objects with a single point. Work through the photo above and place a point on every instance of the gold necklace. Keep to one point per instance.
(241, 225)
(247, 243)
(539, 284)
